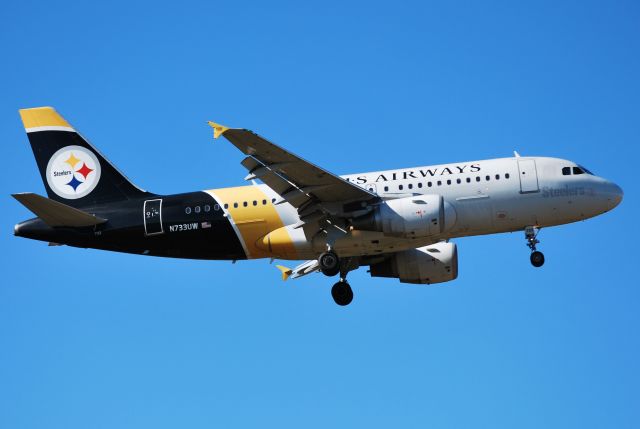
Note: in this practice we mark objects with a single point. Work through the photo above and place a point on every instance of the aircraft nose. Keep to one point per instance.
(614, 195)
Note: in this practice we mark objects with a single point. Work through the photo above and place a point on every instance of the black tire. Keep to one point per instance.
(342, 293)
(537, 259)
(329, 263)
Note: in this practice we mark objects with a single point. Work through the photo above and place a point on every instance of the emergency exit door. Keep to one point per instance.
(152, 213)
(528, 175)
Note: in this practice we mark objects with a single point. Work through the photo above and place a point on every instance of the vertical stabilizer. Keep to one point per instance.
(73, 171)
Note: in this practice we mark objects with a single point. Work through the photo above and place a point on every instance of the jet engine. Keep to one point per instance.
(435, 263)
(410, 217)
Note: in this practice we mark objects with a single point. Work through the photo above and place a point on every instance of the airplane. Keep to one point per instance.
(399, 223)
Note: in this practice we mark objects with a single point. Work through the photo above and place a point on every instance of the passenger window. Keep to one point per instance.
(477, 178)
(506, 176)
(226, 206)
(410, 185)
(216, 207)
(400, 187)
(468, 179)
(497, 177)
(488, 177)
(235, 205)
(420, 185)
(449, 182)
(264, 202)
(187, 210)
(245, 204)
(197, 209)
(566, 171)
(386, 189)
(255, 203)
(207, 208)
(429, 184)
(439, 183)
(578, 170)
(273, 200)
(458, 181)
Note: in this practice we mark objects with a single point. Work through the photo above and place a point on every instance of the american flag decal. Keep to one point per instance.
(206, 224)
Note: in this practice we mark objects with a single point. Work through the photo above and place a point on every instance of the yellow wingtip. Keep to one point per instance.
(286, 272)
(218, 129)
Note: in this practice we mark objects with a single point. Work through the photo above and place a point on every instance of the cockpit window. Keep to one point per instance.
(585, 170)
(567, 171)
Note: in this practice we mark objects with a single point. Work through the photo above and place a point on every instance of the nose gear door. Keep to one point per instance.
(528, 175)
(152, 215)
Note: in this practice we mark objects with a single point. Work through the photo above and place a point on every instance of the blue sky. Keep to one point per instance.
(101, 340)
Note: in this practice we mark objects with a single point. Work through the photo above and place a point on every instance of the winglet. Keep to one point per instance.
(286, 272)
(218, 129)
(516, 154)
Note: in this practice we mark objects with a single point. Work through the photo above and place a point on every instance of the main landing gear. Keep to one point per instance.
(537, 258)
(342, 293)
(330, 265)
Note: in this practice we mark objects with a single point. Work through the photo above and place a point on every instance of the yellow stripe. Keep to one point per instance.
(42, 117)
(254, 221)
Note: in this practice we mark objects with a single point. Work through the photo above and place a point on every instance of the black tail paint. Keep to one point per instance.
(72, 170)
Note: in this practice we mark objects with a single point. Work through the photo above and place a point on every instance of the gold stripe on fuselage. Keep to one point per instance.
(253, 221)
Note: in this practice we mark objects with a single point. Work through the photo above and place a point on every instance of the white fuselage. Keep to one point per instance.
(489, 196)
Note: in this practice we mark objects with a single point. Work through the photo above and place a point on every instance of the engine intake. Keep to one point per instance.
(435, 263)
(410, 217)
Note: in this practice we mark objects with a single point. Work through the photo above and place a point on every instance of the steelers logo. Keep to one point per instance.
(73, 172)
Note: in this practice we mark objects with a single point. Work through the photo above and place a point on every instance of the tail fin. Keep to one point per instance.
(72, 170)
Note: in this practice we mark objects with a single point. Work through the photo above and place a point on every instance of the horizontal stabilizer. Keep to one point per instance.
(54, 213)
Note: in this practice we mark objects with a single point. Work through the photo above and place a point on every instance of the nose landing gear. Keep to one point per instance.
(537, 258)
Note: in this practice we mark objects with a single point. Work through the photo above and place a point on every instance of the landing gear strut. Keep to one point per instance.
(537, 258)
(330, 265)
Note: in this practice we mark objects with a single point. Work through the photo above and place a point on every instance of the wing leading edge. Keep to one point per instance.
(299, 182)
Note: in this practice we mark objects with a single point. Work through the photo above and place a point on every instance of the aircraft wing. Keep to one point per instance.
(303, 269)
(304, 185)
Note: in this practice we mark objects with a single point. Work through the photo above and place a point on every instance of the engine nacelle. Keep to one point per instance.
(410, 217)
(435, 263)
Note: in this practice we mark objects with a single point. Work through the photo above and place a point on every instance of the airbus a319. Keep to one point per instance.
(398, 222)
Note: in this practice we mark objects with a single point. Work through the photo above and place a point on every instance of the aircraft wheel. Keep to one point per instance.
(329, 263)
(537, 259)
(342, 293)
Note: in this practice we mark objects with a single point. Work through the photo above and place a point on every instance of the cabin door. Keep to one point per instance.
(528, 175)
(152, 215)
